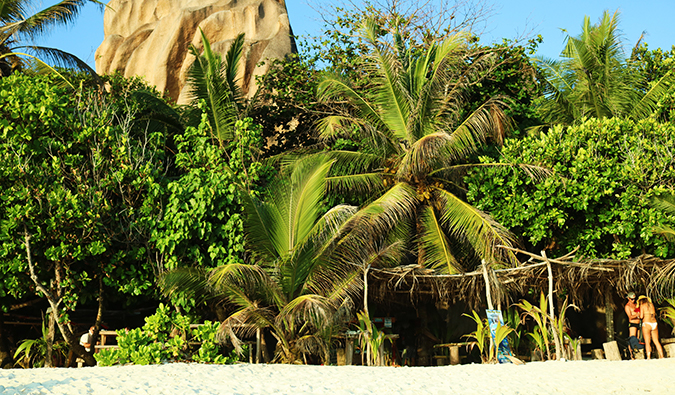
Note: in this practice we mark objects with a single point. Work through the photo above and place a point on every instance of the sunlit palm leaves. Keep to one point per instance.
(593, 80)
(411, 125)
(17, 24)
(214, 80)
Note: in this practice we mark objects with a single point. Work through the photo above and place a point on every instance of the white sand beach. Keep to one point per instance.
(572, 377)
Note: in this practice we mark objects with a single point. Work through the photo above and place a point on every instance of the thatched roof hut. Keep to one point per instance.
(580, 280)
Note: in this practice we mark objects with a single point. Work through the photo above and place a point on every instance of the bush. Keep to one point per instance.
(605, 172)
(166, 336)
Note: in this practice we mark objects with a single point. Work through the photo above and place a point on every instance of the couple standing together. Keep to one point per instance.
(643, 311)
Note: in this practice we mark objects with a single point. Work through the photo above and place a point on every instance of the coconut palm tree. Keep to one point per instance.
(18, 24)
(593, 80)
(290, 286)
(214, 81)
(416, 147)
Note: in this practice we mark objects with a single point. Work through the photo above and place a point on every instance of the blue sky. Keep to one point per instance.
(510, 19)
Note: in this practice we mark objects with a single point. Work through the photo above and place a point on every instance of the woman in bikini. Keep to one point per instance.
(650, 330)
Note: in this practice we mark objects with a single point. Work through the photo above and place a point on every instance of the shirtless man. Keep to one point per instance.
(633, 316)
(650, 329)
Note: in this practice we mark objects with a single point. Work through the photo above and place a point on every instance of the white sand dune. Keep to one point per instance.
(572, 377)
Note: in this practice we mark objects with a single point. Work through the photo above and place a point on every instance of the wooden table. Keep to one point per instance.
(104, 337)
(454, 350)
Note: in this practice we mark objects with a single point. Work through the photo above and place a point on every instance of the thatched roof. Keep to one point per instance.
(577, 279)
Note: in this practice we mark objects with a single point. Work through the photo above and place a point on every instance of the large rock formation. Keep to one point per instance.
(151, 38)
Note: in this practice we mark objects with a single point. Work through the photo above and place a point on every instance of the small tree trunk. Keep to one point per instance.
(6, 360)
(51, 334)
(488, 298)
(54, 302)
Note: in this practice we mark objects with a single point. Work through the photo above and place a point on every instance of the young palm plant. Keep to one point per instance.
(416, 148)
(214, 80)
(291, 287)
(18, 24)
(593, 80)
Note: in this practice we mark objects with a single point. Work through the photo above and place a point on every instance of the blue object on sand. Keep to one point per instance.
(635, 343)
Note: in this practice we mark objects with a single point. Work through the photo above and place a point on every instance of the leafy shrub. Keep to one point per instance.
(166, 336)
(605, 172)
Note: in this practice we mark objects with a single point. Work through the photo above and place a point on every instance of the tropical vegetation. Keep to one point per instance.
(396, 147)
(594, 78)
(416, 146)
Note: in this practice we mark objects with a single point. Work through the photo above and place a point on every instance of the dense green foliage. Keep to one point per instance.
(201, 221)
(598, 197)
(654, 65)
(76, 168)
(108, 192)
(166, 336)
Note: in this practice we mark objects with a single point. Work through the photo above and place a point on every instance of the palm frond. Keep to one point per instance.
(649, 101)
(60, 58)
(424, 155)
(435, 245)
(39, 23)
(192, 283)
(466, 222)
(383, 214)
(487, 120)
(390, 98)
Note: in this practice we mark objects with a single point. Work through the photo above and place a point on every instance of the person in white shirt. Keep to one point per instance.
(85, 340)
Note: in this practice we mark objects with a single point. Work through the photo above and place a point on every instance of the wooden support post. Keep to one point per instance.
(609, 315)
(341, 357)
(669, 350)
(454, 355)
(612, 351)
(598, 354)
(258, 347)
(349, 351)
(557, 337)
(488, 295)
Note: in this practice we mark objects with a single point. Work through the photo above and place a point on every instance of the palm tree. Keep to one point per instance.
(214, 80)
(416, 147)
(17, 25)
(290, 287)
(593, 80)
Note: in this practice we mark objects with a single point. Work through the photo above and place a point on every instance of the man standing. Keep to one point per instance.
(633, 315)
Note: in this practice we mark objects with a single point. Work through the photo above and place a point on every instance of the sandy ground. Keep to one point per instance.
(572, 377)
